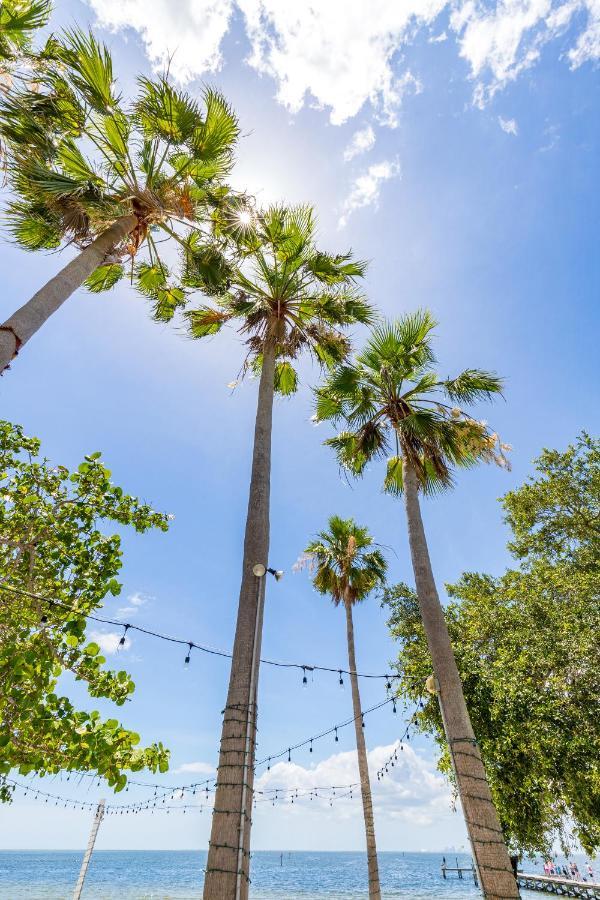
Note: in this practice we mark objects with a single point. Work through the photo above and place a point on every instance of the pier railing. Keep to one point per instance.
(553, 884)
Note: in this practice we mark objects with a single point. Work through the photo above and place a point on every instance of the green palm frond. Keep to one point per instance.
(393, 483)
(104, 278)
(390, 396)
(19, 20)
(269, 285)
(472, 385)
(71, 160)
(205, 266)
(336, 269)
(216, 137)
(33, 226)
(286, 379)
(90, 69)
(346, 564)
(347, 452)
(152, 281)
(206, 320)
(164, 112)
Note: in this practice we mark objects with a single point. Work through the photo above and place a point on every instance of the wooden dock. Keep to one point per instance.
(470, 870)
(553, 884)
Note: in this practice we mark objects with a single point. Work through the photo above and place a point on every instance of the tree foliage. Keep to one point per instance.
(280, 288)
(52, 545)
(81, 156)
(346, 563)
(526, 645)
(19, 21)
(391, 401)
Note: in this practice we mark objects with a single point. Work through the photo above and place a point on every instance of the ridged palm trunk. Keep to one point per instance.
(24, 323)
(489, 849)
(228, 864)
(363, 766)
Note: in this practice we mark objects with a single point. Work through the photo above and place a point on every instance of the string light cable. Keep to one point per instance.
(193, 645)
(203, 787)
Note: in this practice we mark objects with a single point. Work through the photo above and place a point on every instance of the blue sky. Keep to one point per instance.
(472, 189)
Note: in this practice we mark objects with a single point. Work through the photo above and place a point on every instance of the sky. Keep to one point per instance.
(454, 145)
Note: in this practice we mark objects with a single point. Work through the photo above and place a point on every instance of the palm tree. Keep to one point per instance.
(156, 168)
(348, 568)
(391, 399)
(284, 296)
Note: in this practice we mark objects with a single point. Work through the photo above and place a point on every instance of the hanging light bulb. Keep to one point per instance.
(341, 682)
(304, 678)
(310, 749)
(186, 661)
(123, 637)
(336, 736)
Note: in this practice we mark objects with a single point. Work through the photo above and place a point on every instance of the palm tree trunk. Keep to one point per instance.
(363, 766)
(489, 849)
(227, 867)
(24, 323)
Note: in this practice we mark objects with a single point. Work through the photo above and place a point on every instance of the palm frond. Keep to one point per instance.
(33, 226)
(206, 320)
(338, 268)
(104, 278)
(19, 19)
(166, 113)
(152, 282)
(214, 139)
(90, 69)
(472, 385)
(286, 379)
(204, 266)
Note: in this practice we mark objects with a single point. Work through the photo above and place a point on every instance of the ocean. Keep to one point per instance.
(177, 875)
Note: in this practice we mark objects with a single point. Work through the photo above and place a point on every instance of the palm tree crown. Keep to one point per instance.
(391, 399)
(283, 292)
(345, 562)
(82, 158)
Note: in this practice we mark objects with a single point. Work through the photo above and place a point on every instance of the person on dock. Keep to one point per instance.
(590, 872)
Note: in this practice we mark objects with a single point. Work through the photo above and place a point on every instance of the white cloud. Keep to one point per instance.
(510, 126)
(501, 42)
(198, 768)
(361, 141)
(411, 791)
(342, 54)
(338, 53)
(109, 641)
(367, 187)
(189, 35)
(134, 601)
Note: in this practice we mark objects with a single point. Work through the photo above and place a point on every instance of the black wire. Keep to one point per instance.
(191, 644)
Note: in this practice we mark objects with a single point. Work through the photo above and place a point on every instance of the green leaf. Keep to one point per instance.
(205, 321)
(166, 113)
(104, 277)
(286, 379)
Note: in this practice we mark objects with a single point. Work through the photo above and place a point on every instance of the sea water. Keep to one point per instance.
(178, 875)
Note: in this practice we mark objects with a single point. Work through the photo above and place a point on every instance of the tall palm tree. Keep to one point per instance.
(391, 399)
(284, 296)
(110, 178)
(348, 569)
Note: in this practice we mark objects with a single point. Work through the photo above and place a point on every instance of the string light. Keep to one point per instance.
(124, 635)
(204, 649)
